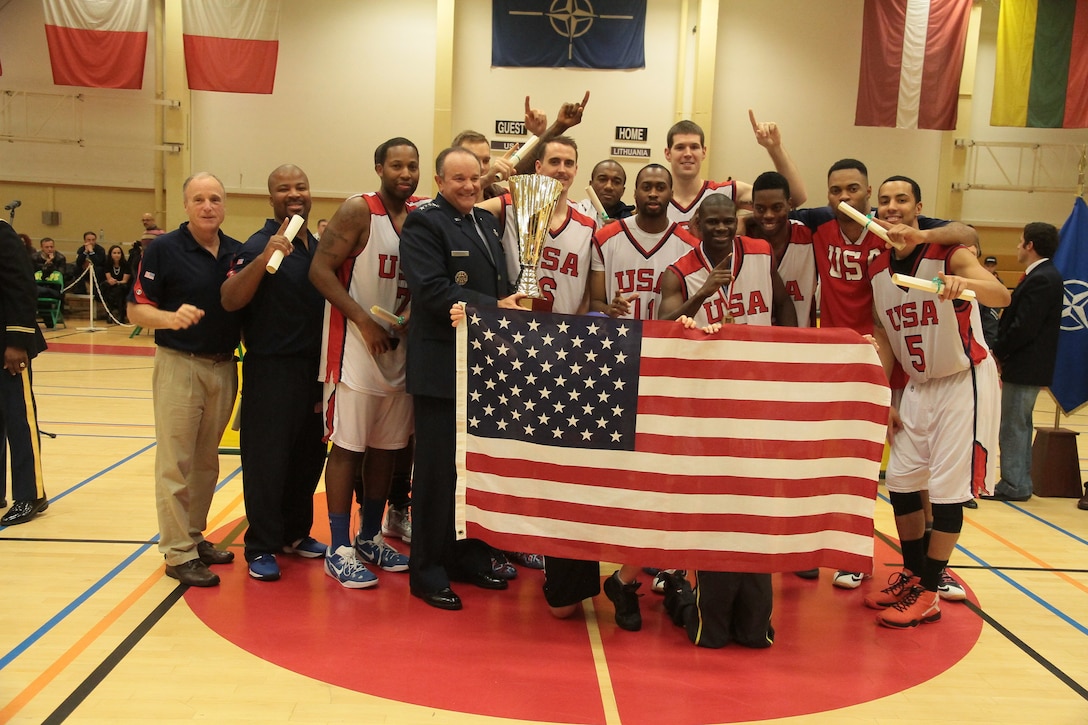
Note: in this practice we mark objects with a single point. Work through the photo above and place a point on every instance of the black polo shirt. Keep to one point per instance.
(176, 270)
(285, 315)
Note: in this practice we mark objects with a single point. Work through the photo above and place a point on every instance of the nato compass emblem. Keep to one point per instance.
(1075, 306)
(572, 19)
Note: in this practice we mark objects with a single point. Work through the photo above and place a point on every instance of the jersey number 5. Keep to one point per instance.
(917, 354)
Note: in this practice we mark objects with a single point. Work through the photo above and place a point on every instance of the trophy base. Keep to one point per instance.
(536, 304)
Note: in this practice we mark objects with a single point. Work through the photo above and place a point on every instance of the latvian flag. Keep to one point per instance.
(911, 61)
(231, 45)
(97, 43)
(1041, 79)
(756, 449)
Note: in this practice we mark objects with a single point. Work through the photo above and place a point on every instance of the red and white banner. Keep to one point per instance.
(97, 43)
(231, 45)
(757, 449)
(911, 61)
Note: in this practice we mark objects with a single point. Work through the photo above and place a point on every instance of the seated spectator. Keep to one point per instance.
(115, 282)
(91, 255)
(48, 258)
(50, 285)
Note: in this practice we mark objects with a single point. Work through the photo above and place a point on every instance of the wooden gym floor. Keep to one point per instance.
(92, 631)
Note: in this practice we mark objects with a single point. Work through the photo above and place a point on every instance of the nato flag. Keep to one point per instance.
(568, 33)
(1070, 384)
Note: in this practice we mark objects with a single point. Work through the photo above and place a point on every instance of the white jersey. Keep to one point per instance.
(797, 268)
(372, 276)
(681, 214)
(586, 207)
(563, 270)
(749, 296)
(930, 338)
(633, 261)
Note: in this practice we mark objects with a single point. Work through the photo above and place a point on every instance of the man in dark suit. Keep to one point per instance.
(450, 253)
(1027, 342)
(21, 340)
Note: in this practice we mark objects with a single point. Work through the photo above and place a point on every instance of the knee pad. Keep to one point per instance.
(948, 517)
(905, 503)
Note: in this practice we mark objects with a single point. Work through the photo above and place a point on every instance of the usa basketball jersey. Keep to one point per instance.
(681, 214)
(633, 261)
(797, 268)
(930, 338)
(748, 298)
(372, 276)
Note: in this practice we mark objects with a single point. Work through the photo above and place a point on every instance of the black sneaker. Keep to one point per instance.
(625, 599)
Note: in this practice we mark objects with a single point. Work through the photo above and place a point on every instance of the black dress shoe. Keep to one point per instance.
(1083, 503)
(998, 496)
(970, 504)
(194, 573)
(210, 555)
(484, 581)
(441, 599)
(23, 511)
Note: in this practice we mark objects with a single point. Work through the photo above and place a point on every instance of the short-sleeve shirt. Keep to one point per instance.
(284, 316)
(176, 270)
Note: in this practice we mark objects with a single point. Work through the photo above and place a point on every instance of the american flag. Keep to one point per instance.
(756, 449)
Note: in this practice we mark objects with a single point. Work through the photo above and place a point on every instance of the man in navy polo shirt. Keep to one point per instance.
(195, 379)
(281, 438)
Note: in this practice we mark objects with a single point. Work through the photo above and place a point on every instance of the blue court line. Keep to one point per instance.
(1015, 584)
(1041, 520)
(63, 614)
(106, 579)
(1026, 592)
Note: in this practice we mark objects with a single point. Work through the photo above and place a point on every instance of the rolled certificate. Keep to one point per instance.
(867, 223)
(525, 149)
(293, 226)
(927, 285)
(386, 315)
(596, 202)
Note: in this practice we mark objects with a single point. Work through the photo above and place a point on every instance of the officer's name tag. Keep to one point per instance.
(458, 252)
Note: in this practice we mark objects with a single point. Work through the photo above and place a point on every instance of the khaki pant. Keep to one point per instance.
(193, 398)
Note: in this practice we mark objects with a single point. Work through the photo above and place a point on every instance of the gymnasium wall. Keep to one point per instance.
(351, 74)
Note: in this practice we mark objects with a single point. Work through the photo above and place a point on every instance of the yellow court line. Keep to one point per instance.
(600, 664)
(1030, 557)
(61, 663)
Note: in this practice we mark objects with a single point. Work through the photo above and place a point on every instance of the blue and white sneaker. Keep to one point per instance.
(307, 547)
(377, 552)
(264, 568)
(344, 567)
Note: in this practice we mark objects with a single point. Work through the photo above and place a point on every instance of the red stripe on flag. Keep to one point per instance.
(230, 65)
(795, 372)
(96, 58)
(1076, 92)
(635, 518)
(706, 559)
(763, 409)
(943, 67)
(635, 482)
(883, 24)
(749, 448)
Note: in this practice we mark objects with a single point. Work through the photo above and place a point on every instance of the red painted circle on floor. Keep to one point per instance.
(505, 656)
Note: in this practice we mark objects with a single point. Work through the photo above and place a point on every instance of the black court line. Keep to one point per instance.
(1021, 644)
(93, 680)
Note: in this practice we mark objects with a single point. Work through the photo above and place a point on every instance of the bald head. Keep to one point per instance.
(289, 192)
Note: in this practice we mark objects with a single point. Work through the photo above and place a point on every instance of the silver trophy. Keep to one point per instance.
(534, 198)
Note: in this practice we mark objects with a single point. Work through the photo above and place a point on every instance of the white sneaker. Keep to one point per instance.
(398, 523)
(377, 552)
(342, 566)
(848, 579)
(950, 589)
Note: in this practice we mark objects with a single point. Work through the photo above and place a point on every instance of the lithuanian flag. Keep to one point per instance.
(1042, 64)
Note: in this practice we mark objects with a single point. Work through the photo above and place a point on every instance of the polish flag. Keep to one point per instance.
(231, 45)
(97, 43)
(911, 61)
